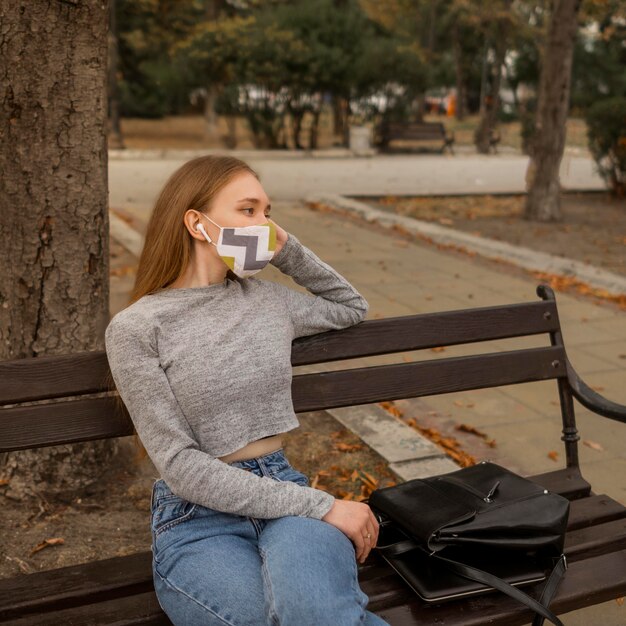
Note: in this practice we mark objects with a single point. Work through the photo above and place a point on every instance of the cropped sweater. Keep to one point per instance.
(203, 371)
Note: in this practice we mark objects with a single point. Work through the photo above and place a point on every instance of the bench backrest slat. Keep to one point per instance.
(25, 380)
(71, 421)
(84, 419)
(427, 330)
(322, 390)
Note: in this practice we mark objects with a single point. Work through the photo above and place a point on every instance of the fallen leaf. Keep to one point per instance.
(471, 429)
(347, 447)
(438, 349)
(47, 542)
(553, 454)
(390, 407)
(592, 444)
(620, 601)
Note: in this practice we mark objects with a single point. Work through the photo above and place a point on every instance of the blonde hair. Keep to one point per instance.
(168, 244)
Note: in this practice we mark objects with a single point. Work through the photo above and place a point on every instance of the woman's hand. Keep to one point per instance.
(355, 520)
(281, 236)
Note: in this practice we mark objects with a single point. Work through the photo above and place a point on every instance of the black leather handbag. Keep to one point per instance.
(482, 515)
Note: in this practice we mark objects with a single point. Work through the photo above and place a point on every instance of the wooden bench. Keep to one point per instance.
(119, 590)
(414, 131)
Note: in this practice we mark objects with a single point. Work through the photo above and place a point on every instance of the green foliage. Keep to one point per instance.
(606, 130)
(598, 68)
(150, 84)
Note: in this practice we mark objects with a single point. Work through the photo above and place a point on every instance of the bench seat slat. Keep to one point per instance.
(594, 580)
(590, 581)
(120, 576)
(142, 609)
(594, 540)
(45, 377)
(567, 481)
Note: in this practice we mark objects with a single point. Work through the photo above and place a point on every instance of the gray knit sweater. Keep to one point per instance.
(205, 370)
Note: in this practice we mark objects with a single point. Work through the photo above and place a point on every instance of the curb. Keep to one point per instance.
(181, 154)
(125, 234)
(525, 258)
(121, 154)
(408, 453)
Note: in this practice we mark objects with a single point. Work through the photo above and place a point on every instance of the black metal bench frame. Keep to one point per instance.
(387, 131)
(120, 590)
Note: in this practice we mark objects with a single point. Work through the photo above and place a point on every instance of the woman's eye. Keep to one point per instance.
(249, 209)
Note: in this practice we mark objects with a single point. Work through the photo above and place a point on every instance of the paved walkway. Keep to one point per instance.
(291, 178)
(402, 278)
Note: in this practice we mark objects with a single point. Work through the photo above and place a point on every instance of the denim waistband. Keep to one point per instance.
(265, 464)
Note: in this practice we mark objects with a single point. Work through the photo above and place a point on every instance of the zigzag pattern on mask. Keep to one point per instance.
(247, 252)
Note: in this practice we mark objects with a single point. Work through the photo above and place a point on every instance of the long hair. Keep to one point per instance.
(168, 245)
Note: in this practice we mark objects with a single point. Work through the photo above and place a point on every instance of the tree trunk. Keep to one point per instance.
(338, 120)
(314, 130)
(231, 135)
(460, 78)
(491, 105)
(114, 131)
(543, 200)
(54, 222)
(211, 120)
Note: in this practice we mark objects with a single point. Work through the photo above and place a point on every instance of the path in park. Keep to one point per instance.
(294, 177)
(400, 278)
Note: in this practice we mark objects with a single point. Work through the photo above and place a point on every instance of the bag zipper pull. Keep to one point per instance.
(492, 491)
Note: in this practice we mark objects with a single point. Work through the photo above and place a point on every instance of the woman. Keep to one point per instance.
(201, 359)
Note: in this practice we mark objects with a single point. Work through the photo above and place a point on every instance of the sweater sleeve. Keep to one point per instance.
(335, 303)
(167, 437)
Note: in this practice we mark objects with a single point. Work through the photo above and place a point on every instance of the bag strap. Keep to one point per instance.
(540, 607)
(550, 587)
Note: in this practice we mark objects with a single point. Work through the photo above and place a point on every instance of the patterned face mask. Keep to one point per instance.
(245, 249)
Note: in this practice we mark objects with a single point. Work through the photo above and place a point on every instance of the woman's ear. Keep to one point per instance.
(194, 225)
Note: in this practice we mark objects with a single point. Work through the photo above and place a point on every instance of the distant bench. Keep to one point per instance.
(386, 132)
(120, 589)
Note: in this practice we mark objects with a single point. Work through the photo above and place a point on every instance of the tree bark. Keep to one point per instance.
(211, 120)
(461, 98)
(54, 223)
(491, 105)
(543, 200)
(213, 10)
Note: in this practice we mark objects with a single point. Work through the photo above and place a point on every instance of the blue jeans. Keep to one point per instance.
(211, 567)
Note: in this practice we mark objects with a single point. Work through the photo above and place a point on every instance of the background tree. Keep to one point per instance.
(543, 199)
(54, 284)
(499, 24)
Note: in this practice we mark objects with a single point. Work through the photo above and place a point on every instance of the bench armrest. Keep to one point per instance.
(592, 400)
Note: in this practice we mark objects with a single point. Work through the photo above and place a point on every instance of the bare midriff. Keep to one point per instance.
(254, 449)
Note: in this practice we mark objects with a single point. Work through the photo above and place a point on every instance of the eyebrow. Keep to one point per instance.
(254, 201)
